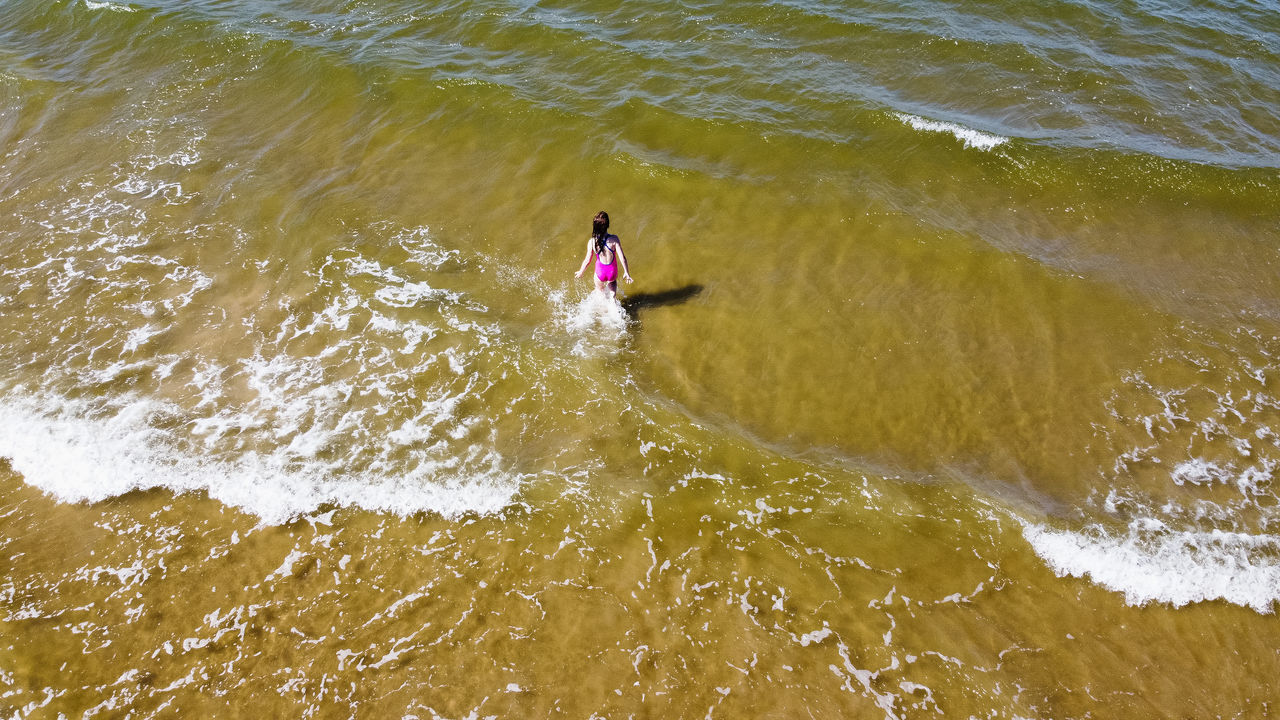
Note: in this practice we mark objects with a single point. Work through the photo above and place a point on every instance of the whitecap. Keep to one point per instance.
(1150, 562)
(77, 453)
(970, 137)
(115, 7)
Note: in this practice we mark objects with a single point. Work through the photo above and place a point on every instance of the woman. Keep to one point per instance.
(607, 250)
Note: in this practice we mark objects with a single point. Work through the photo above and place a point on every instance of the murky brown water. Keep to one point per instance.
(946, 384)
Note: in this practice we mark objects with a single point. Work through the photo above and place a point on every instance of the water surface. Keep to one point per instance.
(946, 384)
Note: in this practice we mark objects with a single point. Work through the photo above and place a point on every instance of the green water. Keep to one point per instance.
(945, 385)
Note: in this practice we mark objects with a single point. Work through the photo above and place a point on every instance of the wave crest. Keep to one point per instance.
(971, 138)
(1149, 562)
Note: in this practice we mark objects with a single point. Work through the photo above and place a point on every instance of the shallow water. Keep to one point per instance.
(946, 384)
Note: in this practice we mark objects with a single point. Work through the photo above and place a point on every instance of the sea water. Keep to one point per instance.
(946, 385)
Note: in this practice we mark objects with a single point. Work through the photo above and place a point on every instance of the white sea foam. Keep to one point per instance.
(77, 454)
(147, 188)
(139, 337)
(1190, 498)
(814, 637)
(1150, 562)
(970, 137)
(411, 294)
(1251, 481)
(115, 7)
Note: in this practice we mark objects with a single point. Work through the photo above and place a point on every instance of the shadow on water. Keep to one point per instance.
(633, 304)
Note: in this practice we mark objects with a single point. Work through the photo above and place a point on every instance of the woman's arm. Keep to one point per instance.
(626, 271)
(586, 260)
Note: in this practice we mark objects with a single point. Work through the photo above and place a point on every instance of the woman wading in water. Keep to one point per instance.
(607, 250)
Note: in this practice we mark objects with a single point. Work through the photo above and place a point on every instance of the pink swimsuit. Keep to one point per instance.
(607, 272)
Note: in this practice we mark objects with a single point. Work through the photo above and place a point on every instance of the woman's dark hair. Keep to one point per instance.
(600, 229)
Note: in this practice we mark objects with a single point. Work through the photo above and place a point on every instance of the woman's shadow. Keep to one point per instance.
(633, 304)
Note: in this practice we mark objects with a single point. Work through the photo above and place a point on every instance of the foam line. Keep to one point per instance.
(1152, 563)
(92, 5)
(75, 455)
(970, 137)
